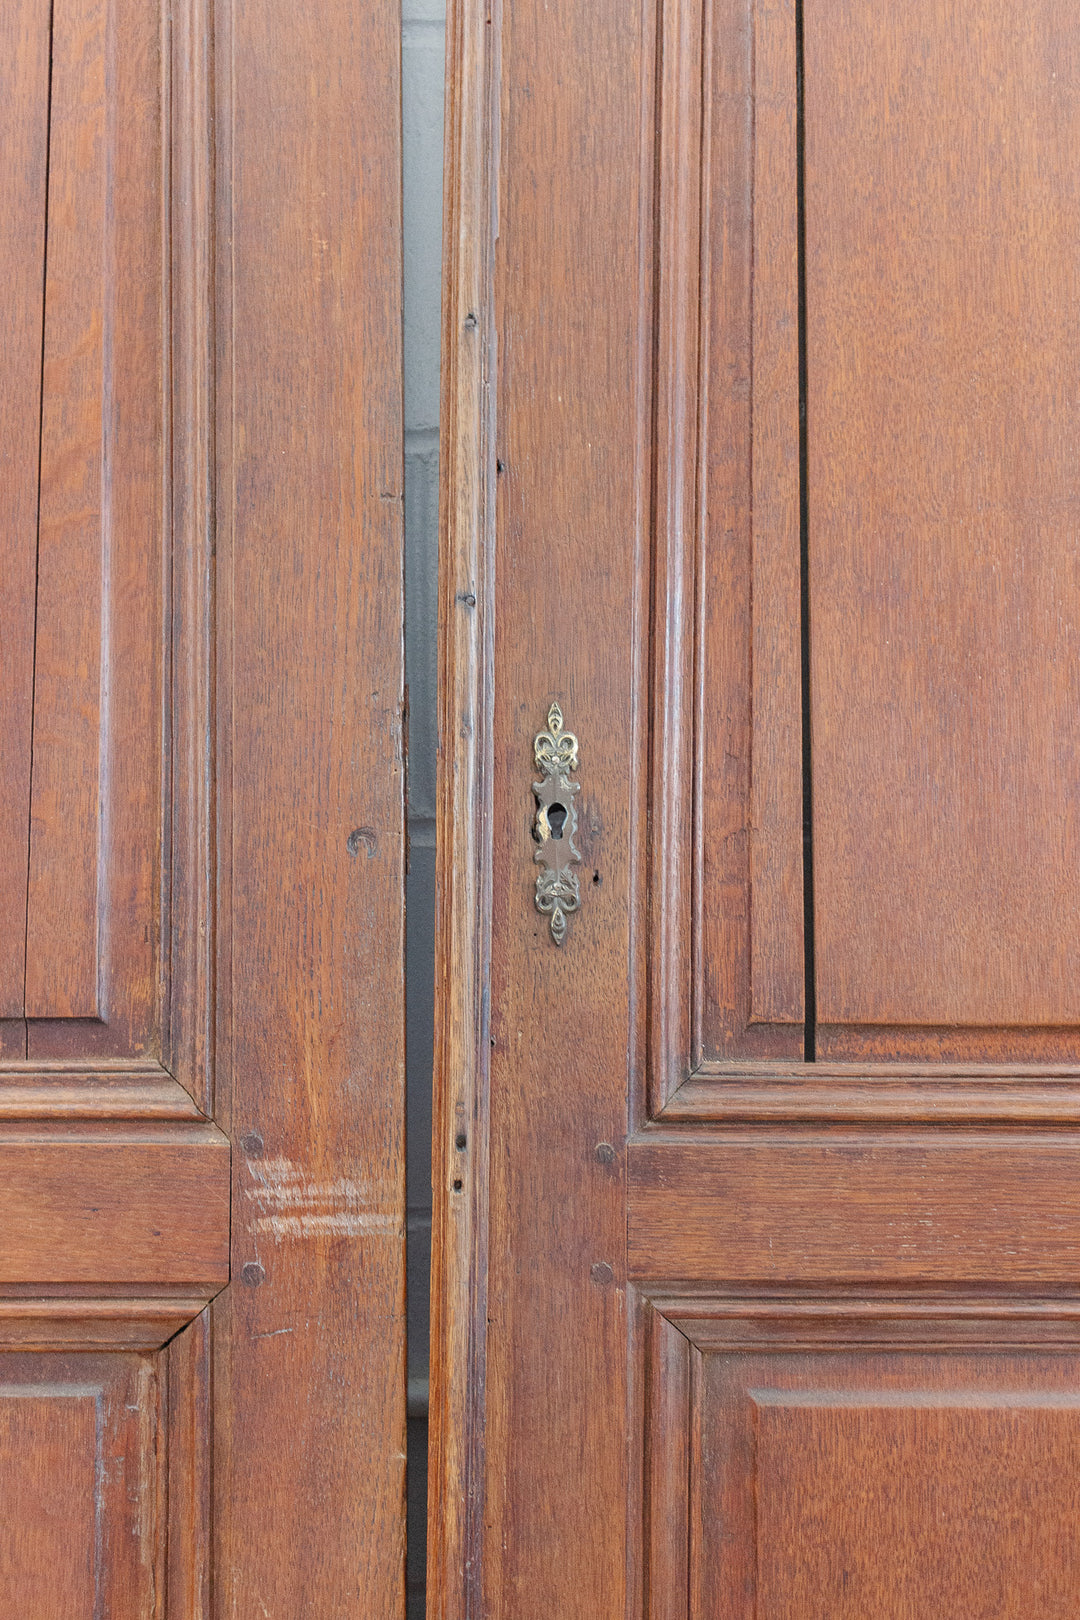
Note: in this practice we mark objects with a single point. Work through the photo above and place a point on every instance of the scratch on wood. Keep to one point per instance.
(293, 1204)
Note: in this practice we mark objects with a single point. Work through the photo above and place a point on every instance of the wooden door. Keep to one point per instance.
(758, 1252)
(200, 793)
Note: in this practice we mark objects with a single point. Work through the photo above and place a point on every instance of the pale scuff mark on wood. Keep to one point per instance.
(293, 1204)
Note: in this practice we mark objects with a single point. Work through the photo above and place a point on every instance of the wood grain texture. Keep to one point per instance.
(190, 1538)
(309, 1365)
(942, 208)
(93, 956)
(749, 843)
(825, 1206)
(63, 921)
(81, 1321)
(818, 1480)
(460, 1138)
(102, 1091)
(24, 110)
(958, 1389)
(132, 1204)
(962, 1094)
(775, 828)
(80, 1486)
(50, 1448)
(573, 263)
(921, 1501)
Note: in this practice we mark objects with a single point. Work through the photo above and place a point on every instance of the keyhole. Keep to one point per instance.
(556, 816)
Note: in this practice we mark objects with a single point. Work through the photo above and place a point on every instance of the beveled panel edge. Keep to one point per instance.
(960, 1317)
(675, 631)
(875, 1093)
(188, 789)
(702, 174)
(680, 1324)
(101, 1091)
(57, 1322)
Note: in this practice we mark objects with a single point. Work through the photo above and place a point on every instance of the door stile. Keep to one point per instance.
(460, 1143)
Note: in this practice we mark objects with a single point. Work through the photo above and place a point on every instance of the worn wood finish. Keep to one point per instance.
(213, 822)
(82, 1486)
(24, 107)
(831, 1205)
(115, 1204)
(727, 1357)
(943, 501)
(572, 436)
(921, 1479)
(93, 915)
(460, 1137)
(308, 1447)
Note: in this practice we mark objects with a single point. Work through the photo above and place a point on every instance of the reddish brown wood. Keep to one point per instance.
(889, 1243)
(309, 1343)
(96, 855)
(81, 1488)
(923, 1479)
(941, 211)
(63, 922)
(24, 49)
(178, 850)
(861, 1206)
(775, 825)
(572, 435)
(749, 969)
(132, 1204)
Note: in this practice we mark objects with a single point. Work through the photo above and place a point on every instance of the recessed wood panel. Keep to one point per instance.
(50, 1461)
(81, 1487)
(884, 1504)
(128, 1205)
(96, 848)
(24, 110)
(804, 1465)
(824, 1206)
(942, 214)
(727, 780)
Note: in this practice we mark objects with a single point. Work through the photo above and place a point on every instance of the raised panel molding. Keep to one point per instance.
(725, 879)
(114, 1235)
(810, 1452)
(723, 862)
(854, 1205)
(120, 811)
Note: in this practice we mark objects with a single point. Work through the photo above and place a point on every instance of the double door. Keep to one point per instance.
(760, 1238)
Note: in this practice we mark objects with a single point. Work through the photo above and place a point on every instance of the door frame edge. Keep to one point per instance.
(464, 821)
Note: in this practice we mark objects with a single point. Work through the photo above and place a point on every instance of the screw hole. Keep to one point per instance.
(458, 1183)
(596, 877)
(460, 1140)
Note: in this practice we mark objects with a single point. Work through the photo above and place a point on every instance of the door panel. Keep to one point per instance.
(24, 105)
(756, 1255)
(942, 210)
(97, 808)
(829, 1469)
(202, 1377)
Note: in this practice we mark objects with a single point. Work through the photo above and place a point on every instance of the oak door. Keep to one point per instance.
(758, 1254)
(200, 813)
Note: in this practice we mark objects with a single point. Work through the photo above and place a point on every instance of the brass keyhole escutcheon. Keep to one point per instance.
(558, 893)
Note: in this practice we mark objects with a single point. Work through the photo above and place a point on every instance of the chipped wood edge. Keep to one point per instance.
(467, 525)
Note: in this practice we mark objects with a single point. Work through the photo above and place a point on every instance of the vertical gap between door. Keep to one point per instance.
(37, 522)
(810, 1034)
